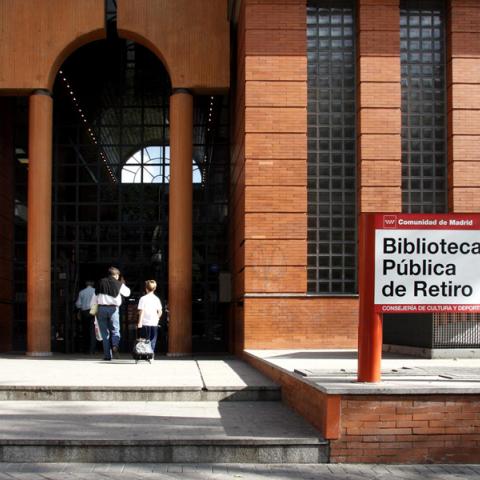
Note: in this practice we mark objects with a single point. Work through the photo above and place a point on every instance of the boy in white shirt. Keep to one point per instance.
(149, 313)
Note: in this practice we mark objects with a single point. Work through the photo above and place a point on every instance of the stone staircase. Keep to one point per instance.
(185, 411)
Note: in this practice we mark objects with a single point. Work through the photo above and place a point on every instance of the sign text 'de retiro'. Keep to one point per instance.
(427, 263)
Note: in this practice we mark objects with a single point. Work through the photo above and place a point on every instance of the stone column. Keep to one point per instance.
(39, 224)
(180, 224)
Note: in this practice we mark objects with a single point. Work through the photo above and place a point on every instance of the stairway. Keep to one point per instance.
(185, 411)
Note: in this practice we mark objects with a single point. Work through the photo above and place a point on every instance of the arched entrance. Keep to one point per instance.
(111, 188)
(111, 100)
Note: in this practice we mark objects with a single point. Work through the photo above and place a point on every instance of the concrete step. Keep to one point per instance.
(82, 378)
(139, 393)
(156, 432)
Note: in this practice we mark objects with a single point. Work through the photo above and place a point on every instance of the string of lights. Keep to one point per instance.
(89, 129)
(209, 127)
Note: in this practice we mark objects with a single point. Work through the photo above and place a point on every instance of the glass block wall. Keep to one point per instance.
(331, 147)
(424, 151)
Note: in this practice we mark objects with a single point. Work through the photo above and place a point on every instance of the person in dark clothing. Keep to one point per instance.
(109, 298)
(83, 303)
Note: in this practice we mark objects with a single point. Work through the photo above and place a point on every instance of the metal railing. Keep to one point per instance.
(456, 330)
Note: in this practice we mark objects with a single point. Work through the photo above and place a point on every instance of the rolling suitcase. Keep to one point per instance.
(142, 350)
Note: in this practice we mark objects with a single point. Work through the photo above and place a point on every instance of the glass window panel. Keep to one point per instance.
(423, 108)
(108, 233)
(331, 143)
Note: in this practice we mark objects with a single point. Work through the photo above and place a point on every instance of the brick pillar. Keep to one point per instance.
(180, 224)
(39, 224)
(463, 57)
(6, 223)
(275, 147)
(379, 104)
(275, 165)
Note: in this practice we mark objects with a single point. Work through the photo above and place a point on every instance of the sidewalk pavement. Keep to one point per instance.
(165, 471)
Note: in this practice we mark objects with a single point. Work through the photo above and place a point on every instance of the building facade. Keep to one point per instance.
(226, 149)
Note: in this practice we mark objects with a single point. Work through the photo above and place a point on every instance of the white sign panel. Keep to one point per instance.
(430, 269)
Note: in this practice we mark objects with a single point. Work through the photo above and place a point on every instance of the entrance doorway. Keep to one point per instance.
(111, 171)
(110, 178)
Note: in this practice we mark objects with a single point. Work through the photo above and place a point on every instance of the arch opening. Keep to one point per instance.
(111, 188)
(111, 101)
(111, 98)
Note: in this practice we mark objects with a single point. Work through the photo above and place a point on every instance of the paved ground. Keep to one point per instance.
(335, 372)
(119, 471)
(334, 367)
(346, 360)
(90, 371)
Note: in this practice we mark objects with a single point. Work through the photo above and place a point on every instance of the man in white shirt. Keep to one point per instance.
(109, 298)
(83, 303)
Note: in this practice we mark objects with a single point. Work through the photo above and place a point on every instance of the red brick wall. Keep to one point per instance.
(320, 409)
(385, 428)
(463, 47)
(275, 145)
(408, 429)
(379, 101)
(381, 429)
(6, 223)
(301, 323)
(269, 172)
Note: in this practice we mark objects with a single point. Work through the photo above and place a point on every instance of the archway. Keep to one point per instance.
(110, 97)
(111, 106)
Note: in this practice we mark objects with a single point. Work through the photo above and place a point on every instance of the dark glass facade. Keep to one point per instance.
(20, 224)
(331, 147)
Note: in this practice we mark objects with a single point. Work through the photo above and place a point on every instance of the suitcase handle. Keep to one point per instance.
(143, 333)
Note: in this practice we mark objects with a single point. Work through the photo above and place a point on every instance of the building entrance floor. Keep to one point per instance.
(84, 371)
(330, 370)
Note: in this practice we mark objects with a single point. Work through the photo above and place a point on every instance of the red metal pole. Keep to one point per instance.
(370, 332)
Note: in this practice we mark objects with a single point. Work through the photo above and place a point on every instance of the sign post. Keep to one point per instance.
(413, 263)
(370, 331)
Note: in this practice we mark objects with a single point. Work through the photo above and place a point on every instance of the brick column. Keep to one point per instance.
(39, 224)
(275, 147)
(379, 103)
(180, 224)
(275, 172)
(463, 56)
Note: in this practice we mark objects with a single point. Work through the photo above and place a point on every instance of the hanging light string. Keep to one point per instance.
(87, 126)
(209, 128)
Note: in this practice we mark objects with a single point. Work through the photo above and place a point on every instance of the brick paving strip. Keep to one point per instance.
(164, 471)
